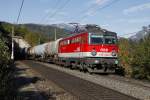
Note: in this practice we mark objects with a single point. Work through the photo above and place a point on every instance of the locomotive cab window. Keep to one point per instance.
(110, 40)
(96, 39)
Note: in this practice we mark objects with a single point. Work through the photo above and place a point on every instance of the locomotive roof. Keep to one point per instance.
(103, 32)
(92, 29)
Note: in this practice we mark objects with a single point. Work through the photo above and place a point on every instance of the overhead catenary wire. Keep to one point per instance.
(55, 13)
(97, 8)
(101, 8)
(55, 5)
(58, 10)
(20, 10)
(93, 6)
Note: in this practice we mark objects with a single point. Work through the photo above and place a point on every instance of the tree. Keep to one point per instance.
(125, 55)
(141, 62)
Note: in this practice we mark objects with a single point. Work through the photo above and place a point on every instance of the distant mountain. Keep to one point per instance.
(77, 28)
(70, 26)
(47, 30)
(62, 29)
(141, 34)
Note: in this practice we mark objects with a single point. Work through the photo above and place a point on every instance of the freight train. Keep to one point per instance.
(92, 51)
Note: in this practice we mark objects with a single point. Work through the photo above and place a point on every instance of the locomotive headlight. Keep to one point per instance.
(114, 53)
(116, 62)
(93, 53)
(96, 61)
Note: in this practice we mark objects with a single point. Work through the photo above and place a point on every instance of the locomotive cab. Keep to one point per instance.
(104, 50)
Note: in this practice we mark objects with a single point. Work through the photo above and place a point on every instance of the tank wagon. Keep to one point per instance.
(52, 51)
(37, 52)
(95, 52)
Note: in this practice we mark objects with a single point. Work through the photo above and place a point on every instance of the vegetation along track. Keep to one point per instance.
(82, 89)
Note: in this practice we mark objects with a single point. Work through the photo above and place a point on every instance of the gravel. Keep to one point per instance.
(134, 90)
(45, 89)
(80, 88)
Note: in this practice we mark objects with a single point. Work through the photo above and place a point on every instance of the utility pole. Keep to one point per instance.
(55, 34)
(40, 39)
(12, 43)
(12, 33)
(48, 36)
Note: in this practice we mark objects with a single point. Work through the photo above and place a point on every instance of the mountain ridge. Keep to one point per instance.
(145, 31)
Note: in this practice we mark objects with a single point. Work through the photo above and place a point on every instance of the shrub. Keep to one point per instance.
(6, 73)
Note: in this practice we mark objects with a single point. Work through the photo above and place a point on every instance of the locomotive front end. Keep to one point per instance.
(103, 52)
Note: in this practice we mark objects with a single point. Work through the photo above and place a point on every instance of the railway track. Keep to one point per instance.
(82, 89)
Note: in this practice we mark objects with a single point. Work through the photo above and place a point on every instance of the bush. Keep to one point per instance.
(135, 57)
(141, 62)
(6, 73)
(125, 56)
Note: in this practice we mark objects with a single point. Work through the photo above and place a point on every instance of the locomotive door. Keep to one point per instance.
(81, 47)
(82, 42)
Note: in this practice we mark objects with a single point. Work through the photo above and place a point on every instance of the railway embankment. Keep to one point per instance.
(134, 88)
(81, 88)
(32, 86)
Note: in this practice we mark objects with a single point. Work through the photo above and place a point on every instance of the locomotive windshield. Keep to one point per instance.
(110, 40)
(97, 39)
(102, 39)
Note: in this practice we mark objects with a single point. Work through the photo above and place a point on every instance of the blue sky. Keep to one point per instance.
(121, 16)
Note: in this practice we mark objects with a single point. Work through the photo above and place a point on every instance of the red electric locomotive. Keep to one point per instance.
(93, 51)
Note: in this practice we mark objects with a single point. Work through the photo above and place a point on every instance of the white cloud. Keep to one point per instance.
(100, 2)
(55, 20)
(62, 13)
(44, 1)
(94, 5)
(96, 2)
(51, 11)
(47, 11)
(91, 12)
(137, 8)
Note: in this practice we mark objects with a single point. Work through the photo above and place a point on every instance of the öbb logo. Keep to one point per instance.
(104, 50)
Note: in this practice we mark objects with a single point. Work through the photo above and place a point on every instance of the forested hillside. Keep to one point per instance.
(34, 33)
(135, 56)
(33, 38)
(47, 30)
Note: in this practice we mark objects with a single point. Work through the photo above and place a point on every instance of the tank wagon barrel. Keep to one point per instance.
(40, 49)
(52, 47)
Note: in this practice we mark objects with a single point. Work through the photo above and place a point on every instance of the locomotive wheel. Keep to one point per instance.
(85, 68)
(89, 70)
(72, 66)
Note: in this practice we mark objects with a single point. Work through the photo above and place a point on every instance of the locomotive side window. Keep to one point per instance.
(68, 41)
(76, 40)
(65, 42)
